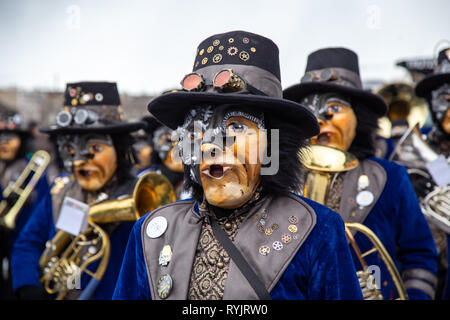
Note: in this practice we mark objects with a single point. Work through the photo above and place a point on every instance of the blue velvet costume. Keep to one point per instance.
(31, 243)
(321, 268)
(400, 224)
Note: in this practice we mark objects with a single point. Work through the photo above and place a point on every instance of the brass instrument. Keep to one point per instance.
(414, 153)
(66, 257)
(323, 164)
(22, 188)
(403, 104)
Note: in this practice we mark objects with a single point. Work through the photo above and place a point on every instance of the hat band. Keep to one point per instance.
(340, 76)
(258, 78)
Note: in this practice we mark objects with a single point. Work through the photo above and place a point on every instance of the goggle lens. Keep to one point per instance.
(191, 82)
(222, 78)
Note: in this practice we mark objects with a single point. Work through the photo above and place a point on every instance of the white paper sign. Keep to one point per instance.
(440, 171)
(73, 217)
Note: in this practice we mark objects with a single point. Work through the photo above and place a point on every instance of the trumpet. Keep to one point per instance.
(323, 164)
(66, 257)
(21, 189)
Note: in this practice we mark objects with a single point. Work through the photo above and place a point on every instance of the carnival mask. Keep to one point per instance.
(223, 149)
(440, 105)
(9, 146)
(166, 149)
(91, 157)
(336, 119)
(143, 151)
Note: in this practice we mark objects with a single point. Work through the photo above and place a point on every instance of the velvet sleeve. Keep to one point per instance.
(39, 192)
(332, 274)
(132, 283)
(30, 244)
(416, 246)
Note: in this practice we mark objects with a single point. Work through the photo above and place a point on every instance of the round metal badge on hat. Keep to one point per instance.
(156, 227)
(364, 198)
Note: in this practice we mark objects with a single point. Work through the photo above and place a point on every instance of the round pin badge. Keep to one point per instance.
(156, 227)
(164, 286)
(277, 245)
(264, 250)
(364, 198)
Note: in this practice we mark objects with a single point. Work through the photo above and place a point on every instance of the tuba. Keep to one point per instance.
(323, 164)
(66, 257)
(414, 153)
(21, 189)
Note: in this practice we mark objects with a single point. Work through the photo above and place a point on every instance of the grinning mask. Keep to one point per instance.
(91, 157)
(223, 149)
(336, 119)
(165, 147)
(9, 146)
(440, 105)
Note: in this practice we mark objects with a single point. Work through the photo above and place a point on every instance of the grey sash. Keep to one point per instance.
(349, 210)
(182, 234)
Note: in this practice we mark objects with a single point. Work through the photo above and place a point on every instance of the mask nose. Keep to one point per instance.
(324, 117)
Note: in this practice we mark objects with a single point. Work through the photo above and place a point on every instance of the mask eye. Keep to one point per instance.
(69, 149)
(95, 148)
(334, 108)
(236, 128)
(194, 135)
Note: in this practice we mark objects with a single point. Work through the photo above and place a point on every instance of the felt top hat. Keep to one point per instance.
(440, 75)
(12, 122)
(236, 68)
(92, 107)
(335, 70)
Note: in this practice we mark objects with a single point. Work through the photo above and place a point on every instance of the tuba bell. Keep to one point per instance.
(16, 195)
(323, 164)
(66, 257)
(415, 154)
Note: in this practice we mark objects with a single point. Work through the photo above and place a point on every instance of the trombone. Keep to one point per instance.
(22, 188)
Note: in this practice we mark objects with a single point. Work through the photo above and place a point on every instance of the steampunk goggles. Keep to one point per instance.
(225, 81)
(80, 117)
(321, 75)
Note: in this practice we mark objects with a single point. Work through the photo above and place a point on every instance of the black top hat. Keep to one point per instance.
(440, 75)
(92, 107)
(335, 70)
(254, 59)
(11, 121)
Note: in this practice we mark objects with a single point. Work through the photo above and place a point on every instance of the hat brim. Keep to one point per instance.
(372, 101)
(171, 108)
(111, 129)
(430, 83)
(20, 132)
(152, 124)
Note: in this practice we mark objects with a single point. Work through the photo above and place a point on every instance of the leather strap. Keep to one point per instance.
(240, 261)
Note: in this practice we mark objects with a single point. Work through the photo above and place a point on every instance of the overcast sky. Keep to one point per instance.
(147, 46)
